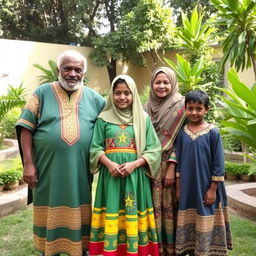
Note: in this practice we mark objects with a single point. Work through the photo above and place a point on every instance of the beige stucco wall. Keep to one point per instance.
(18, 57)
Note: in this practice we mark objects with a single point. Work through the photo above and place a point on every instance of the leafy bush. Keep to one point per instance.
(1, 182)
(237, 169)
(11, 175)
(231, 143)
(7, 125)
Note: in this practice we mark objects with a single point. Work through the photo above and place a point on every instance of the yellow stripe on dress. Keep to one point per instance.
(118, 150)
(114, 221)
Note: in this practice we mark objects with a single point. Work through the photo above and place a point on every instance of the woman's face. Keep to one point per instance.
(162, 86)
(122, 96)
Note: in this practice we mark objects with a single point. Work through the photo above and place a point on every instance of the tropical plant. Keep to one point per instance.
(51, 75)
(196, 35)
(239, 110)
(7, 126)
(240, 44)
(14, 98)
(189, 76)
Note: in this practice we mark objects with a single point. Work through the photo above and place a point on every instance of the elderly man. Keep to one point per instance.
(55, 131)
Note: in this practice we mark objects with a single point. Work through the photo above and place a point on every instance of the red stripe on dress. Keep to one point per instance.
(97, 248)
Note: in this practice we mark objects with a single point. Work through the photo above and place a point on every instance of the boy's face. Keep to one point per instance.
(195, 112)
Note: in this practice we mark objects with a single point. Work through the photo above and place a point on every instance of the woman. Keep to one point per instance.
(166, 109)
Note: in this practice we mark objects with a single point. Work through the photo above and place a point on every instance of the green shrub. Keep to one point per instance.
(11, 175)
(7, 125)
(1, 181)
(237, 169)
(231, 143)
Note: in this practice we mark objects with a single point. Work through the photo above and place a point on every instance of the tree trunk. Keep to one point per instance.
(245, 152)
(112, 70)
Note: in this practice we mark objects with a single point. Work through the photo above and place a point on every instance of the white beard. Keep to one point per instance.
(72, 87)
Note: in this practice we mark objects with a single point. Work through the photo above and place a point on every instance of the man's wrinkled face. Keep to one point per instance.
(71, 73)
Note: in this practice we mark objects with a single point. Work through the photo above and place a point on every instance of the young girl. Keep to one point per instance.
(203, 224)
(126, 151)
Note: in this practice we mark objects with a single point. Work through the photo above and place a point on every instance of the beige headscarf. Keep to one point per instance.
(135, 115)
(164, 111)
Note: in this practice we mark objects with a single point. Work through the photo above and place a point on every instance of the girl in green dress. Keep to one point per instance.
(126, 152)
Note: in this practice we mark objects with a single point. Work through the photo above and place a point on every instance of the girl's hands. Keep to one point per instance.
(114, 169)
(127, 168)
(123, 170)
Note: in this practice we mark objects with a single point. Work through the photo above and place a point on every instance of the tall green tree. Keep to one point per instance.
(239, 44)
(106, 50)
(147, 28)
(60, 21)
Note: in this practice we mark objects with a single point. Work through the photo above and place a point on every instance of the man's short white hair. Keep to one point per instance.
(73, 54)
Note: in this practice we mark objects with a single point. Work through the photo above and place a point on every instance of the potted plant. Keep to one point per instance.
(11, 178)
(230, 171)
(243, 172)
(252, 173)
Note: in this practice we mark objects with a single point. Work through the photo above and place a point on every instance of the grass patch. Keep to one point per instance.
(16, 235)
(10, 163)
(3, 146)
(244, 237)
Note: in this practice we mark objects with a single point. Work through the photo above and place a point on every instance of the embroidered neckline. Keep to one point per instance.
(68, 107)
(195, 135)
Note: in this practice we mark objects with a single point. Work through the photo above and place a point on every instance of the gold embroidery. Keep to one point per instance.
(33, 105)
(217, 178)
(194, 136)
(61, 245)
(27, 123)
(70, 128)
(54, 217)
(203, 223)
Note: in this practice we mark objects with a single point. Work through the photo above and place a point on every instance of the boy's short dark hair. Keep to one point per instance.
(197, 96)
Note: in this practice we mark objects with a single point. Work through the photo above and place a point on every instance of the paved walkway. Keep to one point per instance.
(11, 201)
(242, 198)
